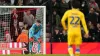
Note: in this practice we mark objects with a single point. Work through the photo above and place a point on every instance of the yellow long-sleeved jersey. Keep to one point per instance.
(74, 16)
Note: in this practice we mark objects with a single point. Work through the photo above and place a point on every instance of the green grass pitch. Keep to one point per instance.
(52, 55)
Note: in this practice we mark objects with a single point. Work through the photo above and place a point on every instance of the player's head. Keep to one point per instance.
(91, 10)
(54, 12)
(14, 10)
(98, 25)
(38, 22)
(24, 31)
(75, 4)
(56, 29)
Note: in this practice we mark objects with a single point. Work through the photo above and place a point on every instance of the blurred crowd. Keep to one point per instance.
(17, 25)
(20, 21)
(22, 2)
(24, 27)
(54, 12)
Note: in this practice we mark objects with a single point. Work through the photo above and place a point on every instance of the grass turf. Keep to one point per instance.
(52, 55)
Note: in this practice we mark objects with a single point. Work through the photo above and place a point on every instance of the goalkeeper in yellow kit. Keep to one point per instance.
(74, 16)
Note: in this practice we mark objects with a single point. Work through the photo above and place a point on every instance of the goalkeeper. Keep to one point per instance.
(35, 33)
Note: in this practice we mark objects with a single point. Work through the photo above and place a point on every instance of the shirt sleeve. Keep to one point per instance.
(84, 24)
(31, 31)
(41, 31)
(64, 18)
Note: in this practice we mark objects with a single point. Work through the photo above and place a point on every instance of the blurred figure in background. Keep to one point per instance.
(23, 37)
(98, 32)
(92, 17)
(28, 19)
(56, 19)
(14, 25)
(8, 36)
(63, 7)
(29, 2)
(63, 36)
(20, 2)
(92, 32)
(93, 4)
(56, 35)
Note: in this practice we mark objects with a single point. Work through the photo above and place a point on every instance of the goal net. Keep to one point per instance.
(5, 17)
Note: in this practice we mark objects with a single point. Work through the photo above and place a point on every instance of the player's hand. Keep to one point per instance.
(65, 29)
(39, 40)
(86, 35)
(31, 39)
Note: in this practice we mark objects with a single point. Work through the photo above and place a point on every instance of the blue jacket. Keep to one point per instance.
(35, 31)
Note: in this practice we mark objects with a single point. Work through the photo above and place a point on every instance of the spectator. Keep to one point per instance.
(12, 2)
(94, 5)
(63, 7)
(56, 19)
(51, 6)
(48, 28)
(92, 33)
(64, 36)
(21, 26)
(17, 2)
(20, 2)
(28, 19)
(85, 7)
(23, 37)
(2, 2)
(55, 5)
(48, 36)
(29, 2)
(15, 16)
(14, 27)
(92, 17)
(98, 32)
(8, 36)
(56, 35)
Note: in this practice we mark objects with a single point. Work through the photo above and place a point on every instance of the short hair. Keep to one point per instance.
(38, 21)
(76, 4)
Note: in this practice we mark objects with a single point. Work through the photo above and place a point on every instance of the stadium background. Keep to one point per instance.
(60, 6)
(7, 24)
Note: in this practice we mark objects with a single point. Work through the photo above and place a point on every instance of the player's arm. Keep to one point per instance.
(41, 33)
(31, 35)
(84, 24)
(31, 31)
(63, 20)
